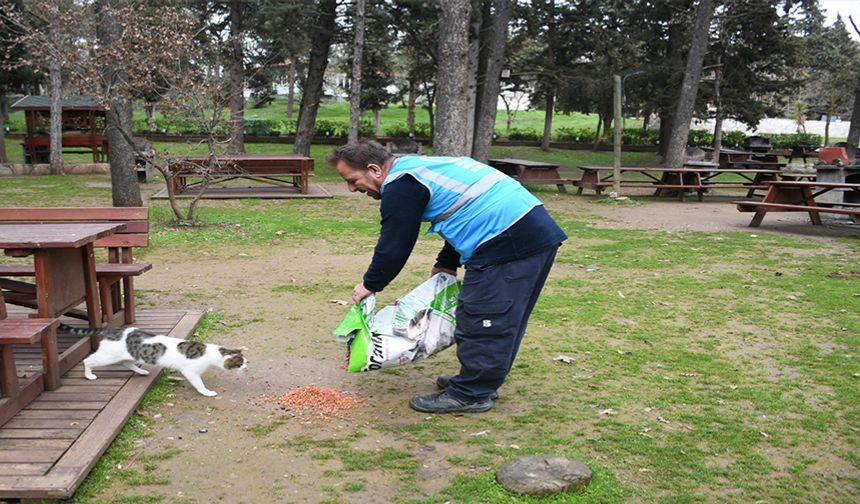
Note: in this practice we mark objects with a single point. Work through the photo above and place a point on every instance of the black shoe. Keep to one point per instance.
(441, 402)
(442, 383)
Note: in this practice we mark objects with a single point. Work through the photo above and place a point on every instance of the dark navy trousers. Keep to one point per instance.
(492, 314)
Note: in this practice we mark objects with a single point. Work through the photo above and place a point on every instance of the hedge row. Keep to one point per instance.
(323, 127)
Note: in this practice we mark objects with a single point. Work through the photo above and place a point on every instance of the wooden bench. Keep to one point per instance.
(268, 169)
(798, 196)
(115, 278)
(531, 172)
(15, 394)
(682, 180)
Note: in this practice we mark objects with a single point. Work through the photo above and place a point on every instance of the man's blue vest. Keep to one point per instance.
(470, 202)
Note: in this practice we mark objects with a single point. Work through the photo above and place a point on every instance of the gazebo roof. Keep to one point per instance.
(82, 102)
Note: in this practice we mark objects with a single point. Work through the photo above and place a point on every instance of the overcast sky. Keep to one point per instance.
(844, 7)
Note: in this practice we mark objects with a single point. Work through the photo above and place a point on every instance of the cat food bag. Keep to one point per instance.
(410, 329)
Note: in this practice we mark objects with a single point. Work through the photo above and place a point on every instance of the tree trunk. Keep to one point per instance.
(596, 143)
(667, 102)
(718, 119)
(550, 87)
(376, 122)
(547, 120)
(56, 77)
(854, 128)
(3, 108)
(355, 87)
(149, 107)
(452, 80)
(827, 126)
(689, 89)
(322, 29)
(237, 80)
(508, 117)
(486, 118)
(431, 98)
(410, 109)
(474, 73)
(291, 88)
(125, 188)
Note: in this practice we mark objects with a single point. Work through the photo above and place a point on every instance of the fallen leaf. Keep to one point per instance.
(481, 433)
(644, 470)
(607, 411)
(662, 420)
(338, 301)
(621, 295)
(763, 433)
(564, 358)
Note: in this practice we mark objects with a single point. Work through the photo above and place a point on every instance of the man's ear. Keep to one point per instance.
(375, 170)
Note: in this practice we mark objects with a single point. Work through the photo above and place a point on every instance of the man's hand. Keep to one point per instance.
(442, 270)
(360, 292)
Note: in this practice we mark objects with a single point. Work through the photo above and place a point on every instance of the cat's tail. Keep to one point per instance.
(81, 331)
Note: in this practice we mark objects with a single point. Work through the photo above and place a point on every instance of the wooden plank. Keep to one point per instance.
(102, 382)
(80, 396)
(46, 423)
(67, 405)
(24, 469)
(71, 433)
(87, 388)
(30, 456)
(74, 213)
(59, 414)
(37, 444)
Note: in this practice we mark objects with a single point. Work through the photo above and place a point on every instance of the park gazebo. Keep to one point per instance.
(82, 127)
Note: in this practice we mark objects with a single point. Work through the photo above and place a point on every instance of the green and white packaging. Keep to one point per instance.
(410, 329)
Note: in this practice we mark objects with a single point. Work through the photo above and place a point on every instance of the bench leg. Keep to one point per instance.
(50, 359)
(8, 372)
(815, 218)
(561, 188)
(757, 218)
(107, 298)
(128, 293)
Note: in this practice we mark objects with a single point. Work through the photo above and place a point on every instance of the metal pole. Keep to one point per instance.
(616, 151)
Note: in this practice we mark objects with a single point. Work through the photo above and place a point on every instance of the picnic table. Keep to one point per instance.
(65, 275)
(530, 172)
(803, 196)
(268, 169)
(682, 180)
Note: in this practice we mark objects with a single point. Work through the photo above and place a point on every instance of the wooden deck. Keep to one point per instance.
(49, 447)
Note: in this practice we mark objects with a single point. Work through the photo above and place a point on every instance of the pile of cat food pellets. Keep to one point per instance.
(322, 401)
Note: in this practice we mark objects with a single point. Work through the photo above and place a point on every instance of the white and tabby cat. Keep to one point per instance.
(131, 346)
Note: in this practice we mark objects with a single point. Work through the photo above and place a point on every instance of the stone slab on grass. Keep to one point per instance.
(543, 475)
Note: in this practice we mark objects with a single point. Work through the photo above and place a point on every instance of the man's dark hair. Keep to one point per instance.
(359, 154)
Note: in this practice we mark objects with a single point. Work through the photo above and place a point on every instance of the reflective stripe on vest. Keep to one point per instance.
(472, 192)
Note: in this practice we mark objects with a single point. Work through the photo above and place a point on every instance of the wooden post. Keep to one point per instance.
(616, 150)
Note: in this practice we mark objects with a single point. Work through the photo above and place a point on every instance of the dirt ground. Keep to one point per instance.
(287, 331)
